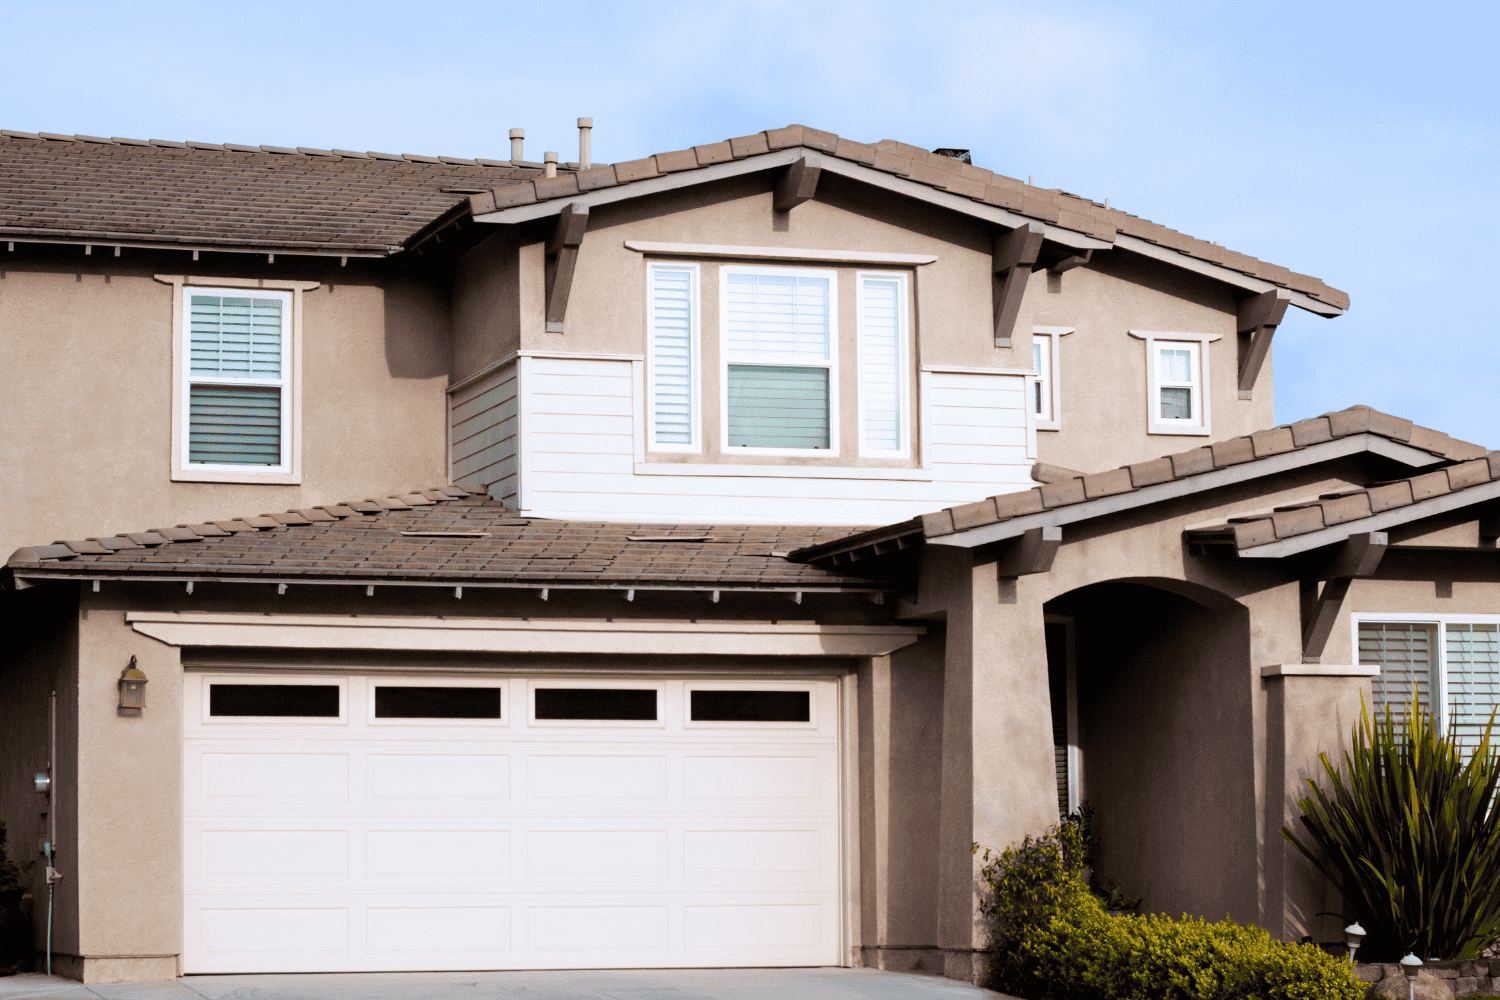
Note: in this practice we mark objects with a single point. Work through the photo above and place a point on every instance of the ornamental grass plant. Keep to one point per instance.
(1053, 940)
(1407, 831)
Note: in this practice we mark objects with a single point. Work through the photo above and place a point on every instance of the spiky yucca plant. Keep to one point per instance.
(1409, 835)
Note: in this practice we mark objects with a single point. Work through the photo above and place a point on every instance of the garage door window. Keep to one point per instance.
(306, 701)
(751, 706)
(596, 704)
(412, 702)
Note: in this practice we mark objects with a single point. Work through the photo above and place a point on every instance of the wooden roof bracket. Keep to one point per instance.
(1015, 257)
(567, 237)
(799, 183)
(1358, 557)
(1259, 316)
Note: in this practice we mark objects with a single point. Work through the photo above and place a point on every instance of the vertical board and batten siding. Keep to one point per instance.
(582, 434)
(484, 428)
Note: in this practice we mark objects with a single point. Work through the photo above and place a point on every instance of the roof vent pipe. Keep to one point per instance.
(551, 164)
(585, 128)
(516, 135)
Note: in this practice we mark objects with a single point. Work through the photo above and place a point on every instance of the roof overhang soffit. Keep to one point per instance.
(1078, 243)
(1353, 444)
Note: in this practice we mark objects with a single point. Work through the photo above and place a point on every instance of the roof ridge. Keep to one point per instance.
(309, 151)
(156, 537)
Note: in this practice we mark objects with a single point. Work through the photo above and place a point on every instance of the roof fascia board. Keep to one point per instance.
(781, 158)
(1326, 451)
(109, 241)
(1220, 273)
(778, 253)
(1376, 522)
(68, 570)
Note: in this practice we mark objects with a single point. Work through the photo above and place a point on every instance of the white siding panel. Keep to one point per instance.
(582, 424)
(482, 428)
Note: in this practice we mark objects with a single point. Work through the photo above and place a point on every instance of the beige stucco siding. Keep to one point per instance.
(88, 383)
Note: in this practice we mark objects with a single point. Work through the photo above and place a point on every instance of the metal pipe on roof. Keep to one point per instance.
(550, 161)
(516, 136)
(585, 130)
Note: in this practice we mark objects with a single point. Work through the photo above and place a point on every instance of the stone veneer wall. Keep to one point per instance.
(1436, 981)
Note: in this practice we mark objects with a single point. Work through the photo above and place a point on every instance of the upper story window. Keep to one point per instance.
(1177, 399)
(235, 405)
(779, 350)
(1046, 361)
(673, 358)
(884, 421)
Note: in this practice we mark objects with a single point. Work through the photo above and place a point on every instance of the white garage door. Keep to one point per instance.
(345, 823)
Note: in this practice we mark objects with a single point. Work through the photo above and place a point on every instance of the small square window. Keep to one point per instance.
(1177, 382)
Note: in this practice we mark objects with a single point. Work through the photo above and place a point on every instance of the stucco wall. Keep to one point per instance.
(1104, 413)
(85, 439)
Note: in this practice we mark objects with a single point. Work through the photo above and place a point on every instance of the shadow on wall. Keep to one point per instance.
(416, 330)
(1166, 729)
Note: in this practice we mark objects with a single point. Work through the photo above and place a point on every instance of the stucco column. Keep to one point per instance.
(998, 783)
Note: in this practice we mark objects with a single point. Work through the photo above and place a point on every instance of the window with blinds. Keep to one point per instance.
(779, 337)
(1405, 654)
(882, 354)
(236, 392)
(673, 357)
(1472, 660)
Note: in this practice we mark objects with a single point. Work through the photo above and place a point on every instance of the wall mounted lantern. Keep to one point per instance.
(1354, 935)
(132, 686)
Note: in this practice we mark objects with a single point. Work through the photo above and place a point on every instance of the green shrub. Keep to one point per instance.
(1409, 834)
(1053, 940)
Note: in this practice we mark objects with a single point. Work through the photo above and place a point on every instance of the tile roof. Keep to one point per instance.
(131, 191)
(451, 536)
(1182, 468)
(85, 188)
(945, 173)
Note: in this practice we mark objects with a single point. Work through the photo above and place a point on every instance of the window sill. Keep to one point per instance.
(230, 476)
(780, 471)
(1170, 431)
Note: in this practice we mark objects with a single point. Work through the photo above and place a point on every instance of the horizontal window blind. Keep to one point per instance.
(880, 363)
(1405, 654)
(235, 337)
(1473, 663)
(672, 355)
(778, 406)
(234, 425)
(777, 318)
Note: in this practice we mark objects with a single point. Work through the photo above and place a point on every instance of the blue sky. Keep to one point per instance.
(1356, 142)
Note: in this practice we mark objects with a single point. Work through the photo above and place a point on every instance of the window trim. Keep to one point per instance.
(1203, 426)
(290, 471)
(1051, 379)
(903, 363)
(1440, 622)
(210, 679)
(503, 684)
(695, 363)
(832, 364)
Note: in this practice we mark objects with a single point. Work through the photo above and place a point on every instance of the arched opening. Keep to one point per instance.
(1157, 681)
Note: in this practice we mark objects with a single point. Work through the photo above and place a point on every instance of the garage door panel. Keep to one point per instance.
(437, 776)
(401, 933)
(465, 855)
(368, 845)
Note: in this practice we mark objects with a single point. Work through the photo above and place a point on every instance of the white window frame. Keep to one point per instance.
(1050, 377)
(695, 367)
(1202, 424)
(1441, 622)
(832, 364)
(903, 362)
(289, 472)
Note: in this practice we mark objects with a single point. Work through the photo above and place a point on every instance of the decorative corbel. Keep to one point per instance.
(1072, 260)
(1358, 557)
(572, 221)
(1015, 257)
(799, 183)
(1030, 553)
(1259, 316)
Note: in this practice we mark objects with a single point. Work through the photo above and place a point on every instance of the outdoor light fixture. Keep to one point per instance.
(1410, 966)
(43, 782)
(132, 690)
(1353, 936)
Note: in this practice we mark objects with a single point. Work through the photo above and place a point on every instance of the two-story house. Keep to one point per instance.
(745, 619)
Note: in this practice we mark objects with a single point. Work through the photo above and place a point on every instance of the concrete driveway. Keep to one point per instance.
(629, 984)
